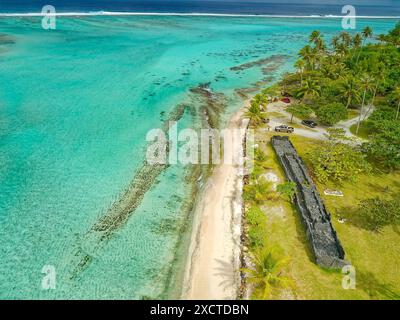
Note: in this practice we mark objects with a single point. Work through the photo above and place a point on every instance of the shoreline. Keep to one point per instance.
(212, 269)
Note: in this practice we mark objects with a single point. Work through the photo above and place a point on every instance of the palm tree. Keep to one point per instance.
(341, 70)
(259, 190)
(309, 88)
(357, 42)
(350, 90)
(260, 100)
(315, 36)
(397, 96)
(300, 64)
(335, 43)
(308, 54)
(254, 113)
(366, 84)
(346, 38)
(268, 272)
(379, 76)
(366, 33)
(329, 70)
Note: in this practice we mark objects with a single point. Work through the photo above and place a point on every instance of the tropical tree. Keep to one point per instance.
(287, 189)
(308, 54)
(258, 191)
(396, 93)
(366, 84)
(268, 271)
(254, 113)
(301, 111)
(357, 42)
(315, 36)
(335, 43)
(260, 100)
(350, 90)
(310, 88)
(346, 39)
(366, 33)
(300, 65)
(337, 161)
(332, 113)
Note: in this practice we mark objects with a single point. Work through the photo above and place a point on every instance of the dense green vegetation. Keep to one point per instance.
(358, 75)
(338, 159)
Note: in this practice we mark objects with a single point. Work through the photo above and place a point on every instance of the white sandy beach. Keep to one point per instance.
(212, 270)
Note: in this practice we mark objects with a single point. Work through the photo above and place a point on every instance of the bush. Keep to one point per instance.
(332, 113)
(255, 217)
(337, 161)
(374, 214)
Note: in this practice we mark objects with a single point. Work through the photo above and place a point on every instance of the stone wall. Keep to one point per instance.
(324, 242)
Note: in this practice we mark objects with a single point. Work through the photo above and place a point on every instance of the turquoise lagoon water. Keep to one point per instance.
(75, 106)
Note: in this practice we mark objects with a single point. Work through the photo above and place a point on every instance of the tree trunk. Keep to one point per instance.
(291, 119)
(359, 51)
(362, 107)
(398, 110)
(348, 102)
(372, 103)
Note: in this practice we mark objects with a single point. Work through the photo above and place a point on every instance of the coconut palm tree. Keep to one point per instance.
(366, 84)
(315, 36)
(259, 190)
(260, 100)
(350, 90)
(254, 113)
(309, 88)
(396, 93)
(308, 54)
(357, 42)
(379, 75)
(268, 272)
(346, 38)
(366, 33)
(300, 65)
(335, 43)
(316, 39)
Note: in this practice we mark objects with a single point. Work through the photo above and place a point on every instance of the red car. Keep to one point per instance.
(285, 100)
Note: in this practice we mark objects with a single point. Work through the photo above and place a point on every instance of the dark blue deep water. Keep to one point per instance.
(286, 7)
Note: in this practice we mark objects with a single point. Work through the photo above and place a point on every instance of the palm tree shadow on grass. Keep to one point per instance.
(367, 282)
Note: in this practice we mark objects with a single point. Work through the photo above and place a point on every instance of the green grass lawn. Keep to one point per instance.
(363, 132)
(375, 256)
(275, 114)
(352, 113)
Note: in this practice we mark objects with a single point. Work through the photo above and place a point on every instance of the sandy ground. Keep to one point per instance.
(212, 270)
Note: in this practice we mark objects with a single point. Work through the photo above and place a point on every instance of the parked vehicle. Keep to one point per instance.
(285, 100)
(265, 120)
(309, 123)
(284, 128)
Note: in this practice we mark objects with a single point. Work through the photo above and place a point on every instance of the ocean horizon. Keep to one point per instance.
(76, 104)
(386, 8)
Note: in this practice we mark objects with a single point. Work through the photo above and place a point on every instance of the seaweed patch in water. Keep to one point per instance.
(121, 210)
(275, 59)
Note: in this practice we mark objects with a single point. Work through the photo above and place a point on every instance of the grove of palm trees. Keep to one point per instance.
(355, 74)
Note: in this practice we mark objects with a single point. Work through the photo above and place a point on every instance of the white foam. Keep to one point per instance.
(116, 13)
